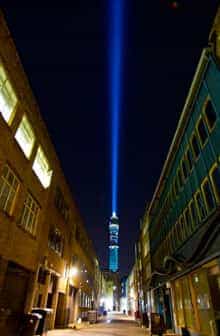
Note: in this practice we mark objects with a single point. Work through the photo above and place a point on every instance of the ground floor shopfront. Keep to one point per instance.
(190, 304)
(22, 289)
(196, 300)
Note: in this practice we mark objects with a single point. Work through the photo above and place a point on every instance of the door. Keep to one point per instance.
(14, 297)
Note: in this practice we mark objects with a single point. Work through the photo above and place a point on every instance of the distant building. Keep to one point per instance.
(124, 294)
(113, 243)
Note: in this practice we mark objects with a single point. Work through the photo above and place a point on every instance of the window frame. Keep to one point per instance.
(188, 225)
(214, 166)
(189, 150)
(202, 145)
(7, 80)
(206, 179)
(183, 229)
(199, 192)
(180, 178)
(184, 163)
(15, 177)
(33, 134)
(191, 143)
(208, 98)
(34, 231)
(194, 223)
(45, 160)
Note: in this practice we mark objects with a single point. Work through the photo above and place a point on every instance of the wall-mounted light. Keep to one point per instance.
(73, 271)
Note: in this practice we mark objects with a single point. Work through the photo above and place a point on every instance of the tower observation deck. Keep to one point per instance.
(113, 243)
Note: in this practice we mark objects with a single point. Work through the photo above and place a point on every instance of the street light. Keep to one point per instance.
(73, 272)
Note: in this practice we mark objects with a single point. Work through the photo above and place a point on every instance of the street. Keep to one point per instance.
(113, 325)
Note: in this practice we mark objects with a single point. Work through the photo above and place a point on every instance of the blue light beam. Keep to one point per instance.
(115, 71)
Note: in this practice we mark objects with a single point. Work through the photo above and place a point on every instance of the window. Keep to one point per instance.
(203, 135)
(8, 98)
(189, 158)
(29, 215)
(188, 221)
(8, 189)
(195, 146)
(25, 136)
(61, 205)
(180, 179)
(56, 241)
(176, 186)
(210, 114)
(42, 169)
(182, 228)
(42, 275)
(184, 169)
(201, 205)
(207, 191)
(194, 215)
(215, 179)
(177, 233)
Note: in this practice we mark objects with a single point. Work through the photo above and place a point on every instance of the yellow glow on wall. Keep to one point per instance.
(25, 136)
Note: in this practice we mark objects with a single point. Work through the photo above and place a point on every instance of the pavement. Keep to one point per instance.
(115, 324)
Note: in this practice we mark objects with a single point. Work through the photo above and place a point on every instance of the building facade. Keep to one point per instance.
(181, 278)
(46, 257)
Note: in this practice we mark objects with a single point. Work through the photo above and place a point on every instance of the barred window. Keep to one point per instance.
(8, 98)
(9, 185)
(29, 215)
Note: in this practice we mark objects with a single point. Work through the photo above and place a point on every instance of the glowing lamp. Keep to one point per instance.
(73, 272)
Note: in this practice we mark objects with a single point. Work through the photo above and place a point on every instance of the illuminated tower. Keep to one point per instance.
(113, 243)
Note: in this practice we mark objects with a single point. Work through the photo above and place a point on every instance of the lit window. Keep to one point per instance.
(210, 114)
(42, 169)
(8, 188)
(25, 136)
(203, 135)
(8, 99)
(29, 215)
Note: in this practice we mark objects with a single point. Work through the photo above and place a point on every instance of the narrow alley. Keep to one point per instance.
(113, 325)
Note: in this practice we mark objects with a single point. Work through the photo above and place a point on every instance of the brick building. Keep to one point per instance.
(46, 256)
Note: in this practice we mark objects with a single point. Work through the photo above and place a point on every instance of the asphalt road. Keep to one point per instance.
(113, 325)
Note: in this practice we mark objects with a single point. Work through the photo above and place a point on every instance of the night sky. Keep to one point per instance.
(64, 51)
